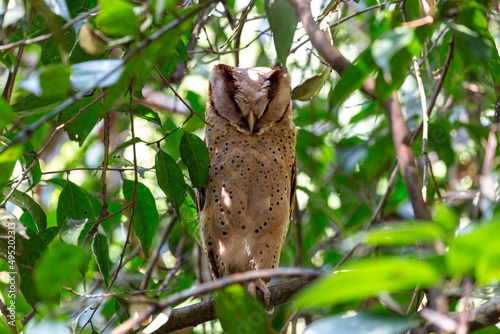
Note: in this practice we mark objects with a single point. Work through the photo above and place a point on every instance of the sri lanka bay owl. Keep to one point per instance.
(245, 209)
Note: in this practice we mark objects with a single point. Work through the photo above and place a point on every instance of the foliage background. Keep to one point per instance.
(132, 80)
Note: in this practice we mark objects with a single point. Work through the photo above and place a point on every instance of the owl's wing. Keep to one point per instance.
(293, 181)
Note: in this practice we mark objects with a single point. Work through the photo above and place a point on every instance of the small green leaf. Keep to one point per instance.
(53, 81)
(311, 87)
(118, 160)
(142, 112)
(189, 218)
(71, 230)
(146, 218)
(365, 279)
(25, 202)
(170, 178)
(33, 105)
(363, 322)
(101, 254)
(240, 313)
(116, 18)
(35, 173)
(283, 21)
(59, 266)
(74, 204)
(126, 144)
(6, 114)
(195, 156)
(446, 217)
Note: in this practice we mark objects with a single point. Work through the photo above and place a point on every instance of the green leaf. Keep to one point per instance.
(74, 204)
(388, 44)
(479, 45)
(170, 178)
(363, 322)
(404, 233)
(126, 144)
(35, 173)
(6, 114)
(116, 18)
(33, 105)
(239, 312)
(101, 254)
(282, 21)
(311, 87)
(366, 279)
(79, 129)
(25, 202)
(476, 253)
(59, 266)
(446, 217)
(146, 218)
(142, 112)
(195, 156)
(189, 218)
(352, 78)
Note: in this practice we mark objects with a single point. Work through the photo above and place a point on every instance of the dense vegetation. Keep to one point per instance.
(101, 127)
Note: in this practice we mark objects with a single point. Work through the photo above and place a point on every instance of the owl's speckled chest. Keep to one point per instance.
(247, 203)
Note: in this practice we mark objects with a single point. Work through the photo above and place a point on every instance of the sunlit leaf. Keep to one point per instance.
(404, 233)
(116, 18)
(189, 218)
(367, 278)
(25, 202)
(311, 87)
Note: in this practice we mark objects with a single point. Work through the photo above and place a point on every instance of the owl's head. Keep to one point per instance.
(252, 99)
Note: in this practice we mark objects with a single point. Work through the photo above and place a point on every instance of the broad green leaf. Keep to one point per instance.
(446, 217)
(352, 78)
(116, 18)
(283, 21)
(58, 266)
(33, 105)
(189, 218)
(404, 233)
(366, 279)
(48, 235)
(142, 112)
(181, 50)
(74, 204)
(25, 202)
(101, 255)
(240, 313)
(195, 156)
(170, 178)
(6, 114)
(311, 87)
(480, 46)
(388, 44)
(146, 218)
(363, 322)
(59, 7)
(96, 73)
(80, 128)
(35, 173)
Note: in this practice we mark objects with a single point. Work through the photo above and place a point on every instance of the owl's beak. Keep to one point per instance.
(251, 121)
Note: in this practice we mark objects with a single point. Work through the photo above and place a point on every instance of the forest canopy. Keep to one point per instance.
(396, 222)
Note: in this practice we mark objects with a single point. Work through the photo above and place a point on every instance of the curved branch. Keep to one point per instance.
(400, 133)
(196, 314)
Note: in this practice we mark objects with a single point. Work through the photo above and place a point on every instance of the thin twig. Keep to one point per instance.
(156, 253)
(240, 24)
(462, 327)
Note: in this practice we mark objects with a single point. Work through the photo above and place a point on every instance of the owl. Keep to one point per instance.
(245, 209)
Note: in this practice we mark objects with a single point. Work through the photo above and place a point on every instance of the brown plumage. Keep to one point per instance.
(245, 209)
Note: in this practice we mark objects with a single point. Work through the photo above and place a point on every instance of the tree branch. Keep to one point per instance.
(400, 133)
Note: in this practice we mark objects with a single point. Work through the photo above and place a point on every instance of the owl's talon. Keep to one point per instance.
(259, 284)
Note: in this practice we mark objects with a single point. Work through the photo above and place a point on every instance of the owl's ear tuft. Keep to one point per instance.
(226, 75)
(274, 82)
